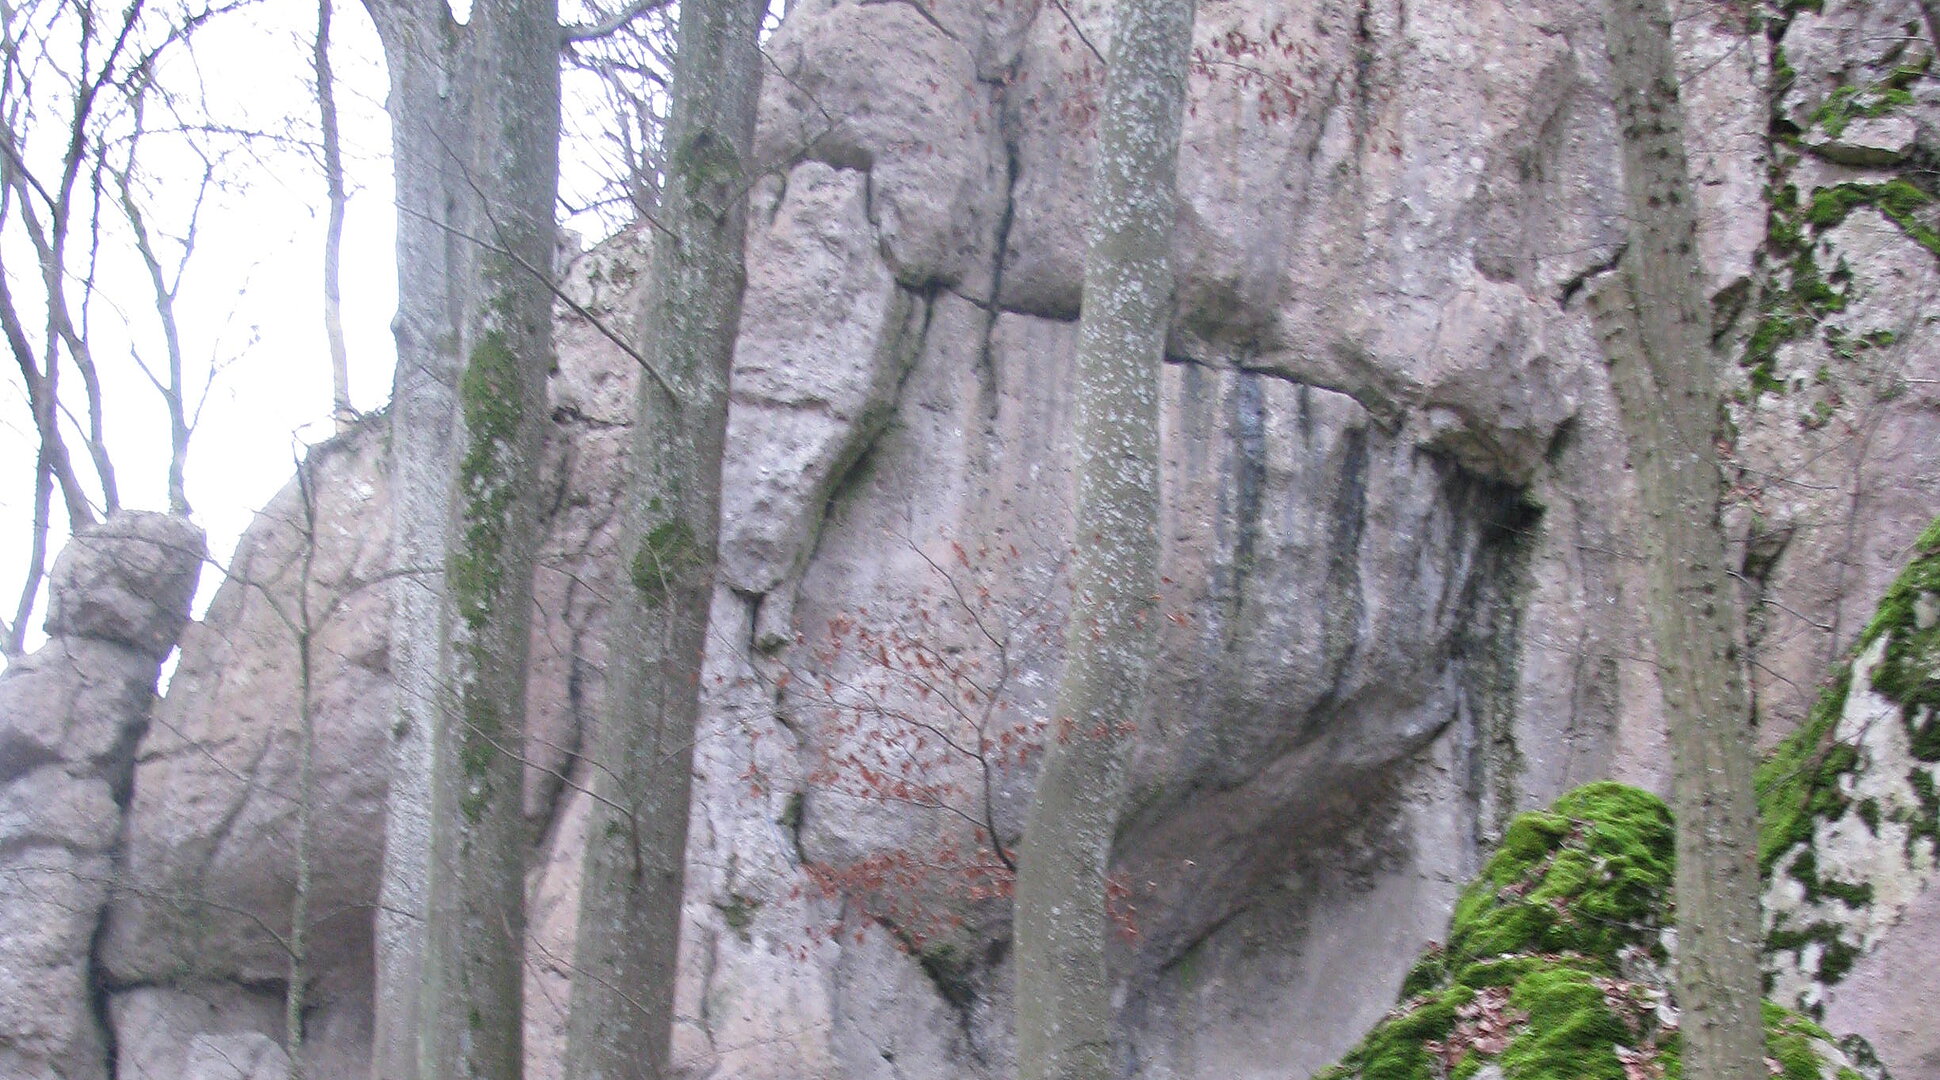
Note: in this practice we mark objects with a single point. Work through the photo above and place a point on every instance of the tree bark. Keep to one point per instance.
(1063, 985)
(630, 899)
(475, 117)
(421, 50)
(1656, 323)
(341, 412)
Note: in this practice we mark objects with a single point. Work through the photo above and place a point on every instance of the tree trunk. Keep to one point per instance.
(630, 898)
(422, 54)
(475, 114)
(341, 412)
(1063, 986)
(1657, 328)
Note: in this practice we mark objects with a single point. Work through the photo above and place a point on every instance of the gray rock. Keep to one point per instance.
(70, 715)
(235, 1057)
(76, 700)
(128, 580)
(209, 847)
(1867, 141)
(196, 1030)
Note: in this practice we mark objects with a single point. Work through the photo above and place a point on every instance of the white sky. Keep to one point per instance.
(252, 306)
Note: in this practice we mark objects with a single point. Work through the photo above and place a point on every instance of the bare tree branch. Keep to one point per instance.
(611, 24)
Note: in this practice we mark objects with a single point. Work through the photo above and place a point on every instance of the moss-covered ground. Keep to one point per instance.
(1555, 962)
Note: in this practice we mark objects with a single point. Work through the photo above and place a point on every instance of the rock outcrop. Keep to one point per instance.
(1852, 832)
(1398, 538)
(70, 717)
(1557, 965)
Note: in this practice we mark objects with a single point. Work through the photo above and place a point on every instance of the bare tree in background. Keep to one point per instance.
(331, 145)
(616, 73)
(80, 97)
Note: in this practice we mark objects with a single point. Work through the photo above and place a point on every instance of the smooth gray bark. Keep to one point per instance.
(630, 899)
(427, 112)
(333, 237)
(1656, 322)
(475, 115)
(1063, 985)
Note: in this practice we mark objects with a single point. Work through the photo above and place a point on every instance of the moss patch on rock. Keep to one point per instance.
(1909, 673)
(1850, 820)
(1803, 781)
(1556, 964)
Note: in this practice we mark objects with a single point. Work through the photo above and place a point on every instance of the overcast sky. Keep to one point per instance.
(252, 305)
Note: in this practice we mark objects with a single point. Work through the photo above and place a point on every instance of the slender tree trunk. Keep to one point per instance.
(333, 238)
(1657, 326)
(305, 624)
(1063, 986)
(475, 115)
(630, 899)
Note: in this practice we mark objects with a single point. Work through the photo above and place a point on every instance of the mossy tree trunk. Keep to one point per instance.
(1063, 986)
(475, 115)
(621, 1023)
(1656, 322)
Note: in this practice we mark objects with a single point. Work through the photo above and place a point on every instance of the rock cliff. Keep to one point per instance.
(1401, 604)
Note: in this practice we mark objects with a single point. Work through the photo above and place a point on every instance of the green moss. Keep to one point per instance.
(952, 969)
(1928, 825)
(738, 913)
(1571, 1034)
(1798, 297)
(1788, 1041)
(1899, 200)
(492, 398)
(1909, 672)
(1508, 970)
(1783, 73)
(1589, 877)
(1429, 971)
(1869, 813)
(1798, 783)
(1394, 1050)
(707, 169)
(1849, 103)
(667, 557)
(1602, 852)
(1835, 958)
(1805, 870)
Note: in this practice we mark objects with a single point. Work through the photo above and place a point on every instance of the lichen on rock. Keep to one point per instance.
(1850, 817)
(1557, 967)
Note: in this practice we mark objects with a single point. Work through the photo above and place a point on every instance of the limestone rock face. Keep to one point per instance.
(207, 858)
(1401, 601)
(127, 580)
(70, 716)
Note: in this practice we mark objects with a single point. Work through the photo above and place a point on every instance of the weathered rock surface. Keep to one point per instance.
(1851, 843)
(70, 715)
(127, 580)
(1401, 599)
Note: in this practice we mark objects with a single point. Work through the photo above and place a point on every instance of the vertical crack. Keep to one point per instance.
(1249, 484)
(986, 354)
